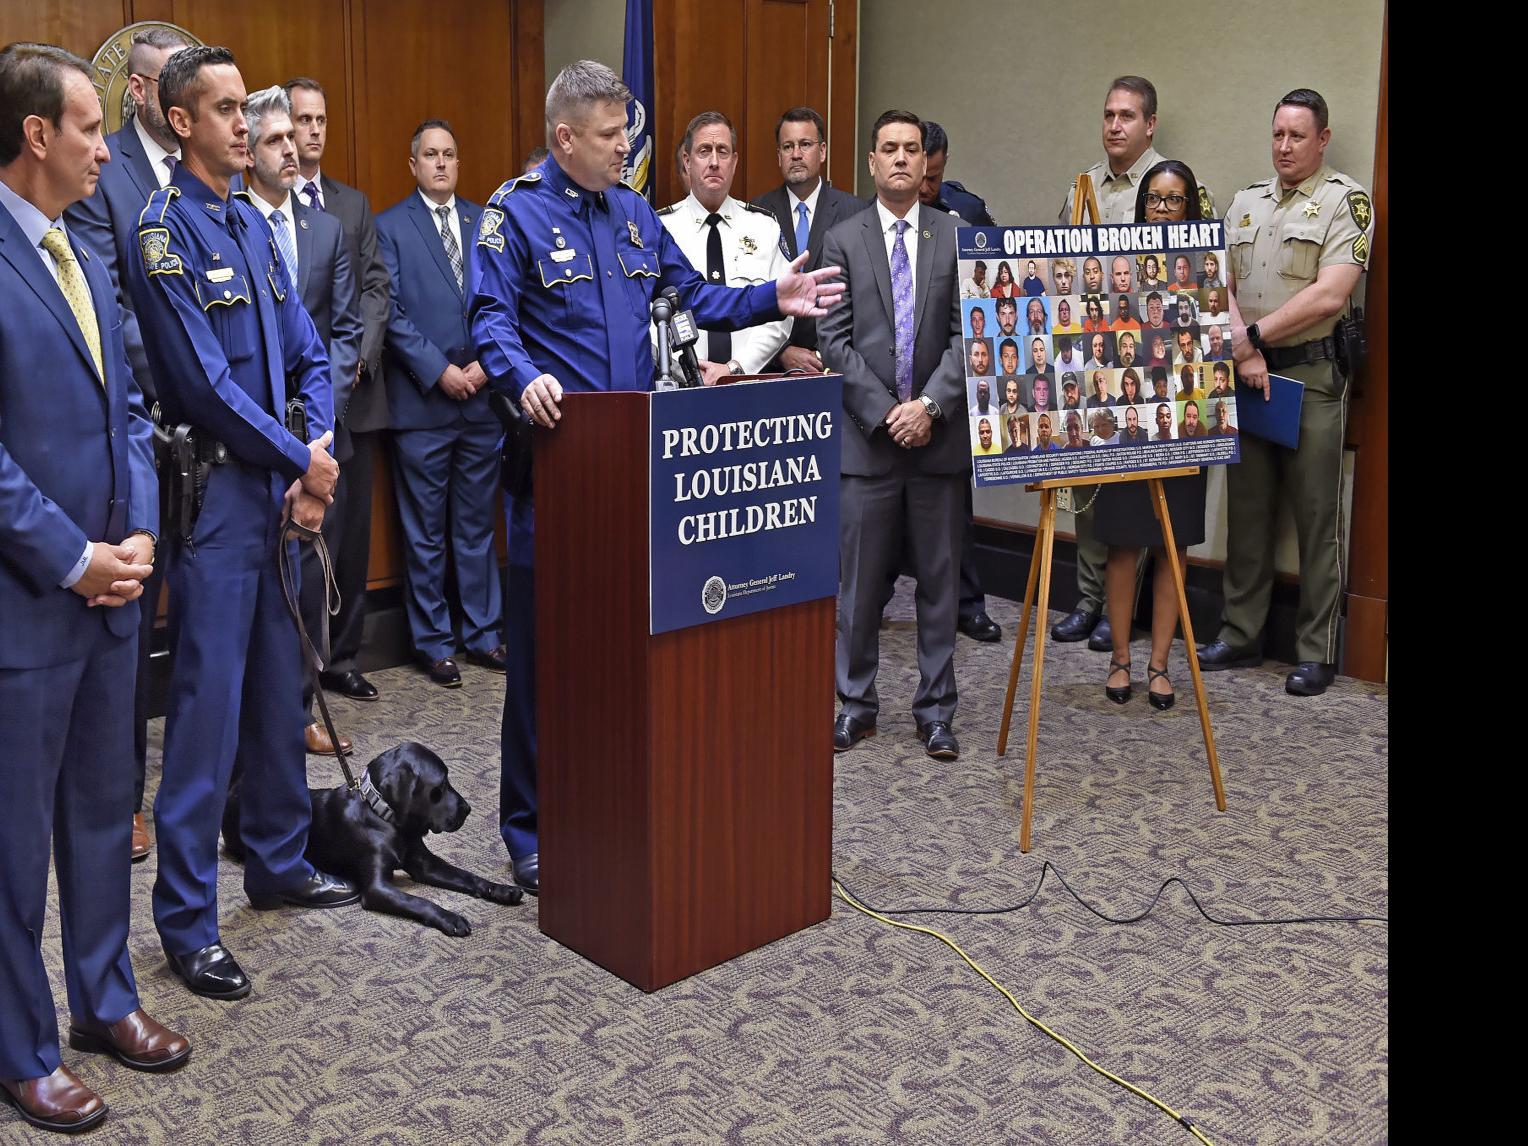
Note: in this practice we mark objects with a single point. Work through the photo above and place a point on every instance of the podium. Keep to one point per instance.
(685, 777)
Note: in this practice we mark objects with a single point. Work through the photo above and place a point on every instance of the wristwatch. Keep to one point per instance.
(931, 406)
(734, 367)
(1255, 336)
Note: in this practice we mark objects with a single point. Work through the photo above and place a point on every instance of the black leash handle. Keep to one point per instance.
(311, 656)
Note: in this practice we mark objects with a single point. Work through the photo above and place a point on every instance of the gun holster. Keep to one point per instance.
(297, 420)
(1351, 344)
(515, 468)
(190, 458)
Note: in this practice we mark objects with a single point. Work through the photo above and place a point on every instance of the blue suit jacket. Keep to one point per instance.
(76, 463)
(427, 328)
(108, 222)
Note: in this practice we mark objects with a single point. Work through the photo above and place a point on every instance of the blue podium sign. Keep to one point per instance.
(744, 498)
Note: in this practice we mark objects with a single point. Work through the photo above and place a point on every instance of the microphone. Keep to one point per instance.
(685, 335)
(662, 312)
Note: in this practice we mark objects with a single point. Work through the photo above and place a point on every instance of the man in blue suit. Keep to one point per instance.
(230, 344)
(77, 519)
(445, 434)
(313, 243)
(144, 153)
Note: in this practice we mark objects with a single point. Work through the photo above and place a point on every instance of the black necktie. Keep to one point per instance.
(718, 342)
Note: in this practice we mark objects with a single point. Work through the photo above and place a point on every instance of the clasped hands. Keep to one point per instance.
(909, 424)
(307, 497)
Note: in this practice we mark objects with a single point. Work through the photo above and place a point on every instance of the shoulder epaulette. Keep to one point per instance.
(530, 179)
(159, 202)
(757, 210)
(669, 210)
(629, 187)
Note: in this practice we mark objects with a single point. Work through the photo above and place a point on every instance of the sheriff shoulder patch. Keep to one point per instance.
(1361, 209)
(157, 259)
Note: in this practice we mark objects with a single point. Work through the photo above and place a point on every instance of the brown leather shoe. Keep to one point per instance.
(60, 1101)
(316, 737)
(140, 838)
(136, 1041)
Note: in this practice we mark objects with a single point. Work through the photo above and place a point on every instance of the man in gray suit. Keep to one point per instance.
(358, 427)
(896, 339)
(312, 245)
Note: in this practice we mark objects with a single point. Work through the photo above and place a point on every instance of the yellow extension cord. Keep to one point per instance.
(953, 946)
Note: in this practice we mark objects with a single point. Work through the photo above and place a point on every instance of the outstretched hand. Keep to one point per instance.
(808, 294)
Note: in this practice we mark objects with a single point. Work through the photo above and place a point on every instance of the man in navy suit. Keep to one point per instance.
(445, 434)
(230, 345)
(313, 244)
(806, 208)
(78, 511)
(144, 153)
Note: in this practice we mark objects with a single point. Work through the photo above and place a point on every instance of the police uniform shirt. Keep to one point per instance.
(1279, 240)
(225, 333)
(751, 250)
(564, 282)
(1116, 193)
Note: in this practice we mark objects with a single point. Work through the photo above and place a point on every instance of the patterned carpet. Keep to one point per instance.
(368, 1029)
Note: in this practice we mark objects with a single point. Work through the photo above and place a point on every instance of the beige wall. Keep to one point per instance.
(584, 30)
(1020, 89)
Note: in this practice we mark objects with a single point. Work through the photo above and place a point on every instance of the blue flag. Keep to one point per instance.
(637, 71)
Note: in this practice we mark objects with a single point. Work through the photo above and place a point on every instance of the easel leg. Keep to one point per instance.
(1046, 540)
(1159, 504)
(1018, 645)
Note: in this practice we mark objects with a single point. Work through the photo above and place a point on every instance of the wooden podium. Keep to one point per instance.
(685, 779)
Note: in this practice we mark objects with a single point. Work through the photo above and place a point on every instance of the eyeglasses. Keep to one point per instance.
(1173, 201)
(792, 147)
(148, 79)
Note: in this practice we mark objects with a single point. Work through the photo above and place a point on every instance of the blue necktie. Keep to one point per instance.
(902, 311)
(284, 243)
(311, 191)
(802, 228)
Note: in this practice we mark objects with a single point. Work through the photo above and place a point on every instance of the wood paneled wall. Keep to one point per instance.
(385, 66)
(750, 60)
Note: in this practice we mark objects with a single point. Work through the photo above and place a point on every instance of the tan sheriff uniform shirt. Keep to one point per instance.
(1116, 193)
(751, 248)
(1278, 241)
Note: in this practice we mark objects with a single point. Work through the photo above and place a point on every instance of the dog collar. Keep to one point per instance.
(375, 798)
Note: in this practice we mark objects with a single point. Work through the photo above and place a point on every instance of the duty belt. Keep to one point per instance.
(1282, 357)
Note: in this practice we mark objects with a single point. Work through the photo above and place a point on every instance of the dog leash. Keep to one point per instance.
(312, 657)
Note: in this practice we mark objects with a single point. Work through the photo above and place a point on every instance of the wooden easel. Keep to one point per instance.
(1084, 200)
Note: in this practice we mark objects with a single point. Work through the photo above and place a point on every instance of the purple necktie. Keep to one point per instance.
(902, 311)
(311, 191)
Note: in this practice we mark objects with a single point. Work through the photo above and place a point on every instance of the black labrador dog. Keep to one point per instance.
(365, 836)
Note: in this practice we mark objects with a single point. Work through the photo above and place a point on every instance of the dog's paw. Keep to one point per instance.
(453, 925)
(503, 893)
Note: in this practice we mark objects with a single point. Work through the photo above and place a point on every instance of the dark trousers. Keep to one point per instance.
(347, 533)
(878, 517)
(66, 771)
(448, 488)
(517, 769)
(235, 694)
(971, 599)
(148, 606)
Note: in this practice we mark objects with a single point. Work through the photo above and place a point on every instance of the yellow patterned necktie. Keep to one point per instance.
(71, 281)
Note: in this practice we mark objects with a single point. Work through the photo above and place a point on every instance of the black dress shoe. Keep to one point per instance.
(444, 672)
(1310, 678)
(980, 627)
(938, 741)
(1076, 625)
(849, 731)
(1217, 656)
(319, 890)
(528, 872)
(351, 684)
(495, 659)
(210, 972)
(1102, 640)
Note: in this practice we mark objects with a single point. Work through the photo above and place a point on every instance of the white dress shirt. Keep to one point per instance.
(452, 220)
(751, 252)
(909, 240)
(300, 193)
(155, 154)
(811, 202)
(288, 221)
